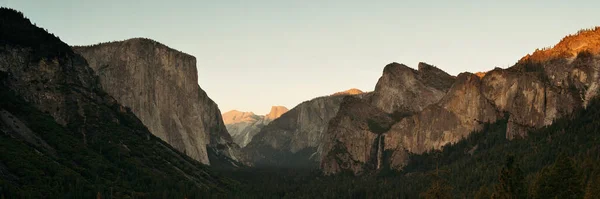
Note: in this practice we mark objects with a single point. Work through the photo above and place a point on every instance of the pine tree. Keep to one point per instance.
(439, 188)
(483, 193)
(510, 182)
(592, 190)
(559, 180)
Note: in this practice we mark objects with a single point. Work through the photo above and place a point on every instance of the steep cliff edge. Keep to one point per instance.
(276, 112)
(293, 139)
(62, 135)
(243, 126)
(402, 90)
(462, 110)
(355, 138)
(160, 85)
(540, 88)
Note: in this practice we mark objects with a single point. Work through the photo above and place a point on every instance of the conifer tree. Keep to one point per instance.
(483, 193)
(592, 189)
(439, 188)
(559, 180)
(510, 182)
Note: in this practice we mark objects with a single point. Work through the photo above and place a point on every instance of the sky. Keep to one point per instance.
(252, 55)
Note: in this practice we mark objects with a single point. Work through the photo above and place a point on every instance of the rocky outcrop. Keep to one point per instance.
(402, 90)
(462, 110)
(352, 91)
(276, 112)
(294, 139)
(355, 139)
(160, 85)
(243, 126)
(539, 89)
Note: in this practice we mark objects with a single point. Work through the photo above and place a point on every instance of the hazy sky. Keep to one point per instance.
(253, 54)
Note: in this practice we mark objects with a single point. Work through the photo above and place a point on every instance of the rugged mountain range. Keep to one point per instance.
(160, 85)
(540, 88)
(293, 139)
(62, 135)
(244, 125)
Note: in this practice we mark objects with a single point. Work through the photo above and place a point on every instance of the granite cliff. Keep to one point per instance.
(244, 125)
(293, 139)
(62, 135)
(160, 85)
(400, 92)
(540, 88)
(354, 139)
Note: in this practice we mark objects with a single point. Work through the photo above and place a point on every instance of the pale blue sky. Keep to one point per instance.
(254, 54)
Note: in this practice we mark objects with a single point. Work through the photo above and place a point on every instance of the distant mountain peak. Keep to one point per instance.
(585, 40)
(352, 91)
(235, 116)
(276, 112)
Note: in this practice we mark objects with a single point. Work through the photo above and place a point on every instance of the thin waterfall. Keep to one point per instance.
(380, 151)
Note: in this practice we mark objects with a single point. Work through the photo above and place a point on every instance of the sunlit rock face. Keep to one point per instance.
(539, 89)
(243, 126)
(160, 85)
(352, 91)
(403, 90)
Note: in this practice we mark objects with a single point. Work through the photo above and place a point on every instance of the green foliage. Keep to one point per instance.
(439, 189)
(592, 189)
(510, 182)
(559, 180)
(483, 193)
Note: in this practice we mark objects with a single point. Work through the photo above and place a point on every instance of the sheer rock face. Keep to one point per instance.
(536, 91)
(295, 138)
(160, 85)
(404, 90)
(295, 135)
(243, 126)
(355, 138)
(463, 110)
(276, 112)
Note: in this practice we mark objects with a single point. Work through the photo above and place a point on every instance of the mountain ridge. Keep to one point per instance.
(243, 126)
(530, 95)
